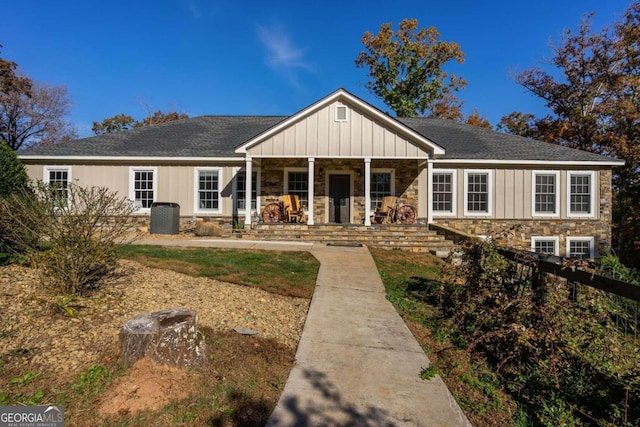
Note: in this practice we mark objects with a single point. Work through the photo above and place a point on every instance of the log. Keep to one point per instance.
(169, 337)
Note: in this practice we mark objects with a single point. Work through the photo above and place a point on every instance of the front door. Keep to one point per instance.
(339, 198)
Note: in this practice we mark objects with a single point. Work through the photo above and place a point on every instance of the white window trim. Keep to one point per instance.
(196, 190)
(132, 189)
(46, 178)
(47, 169)
(590, 239)
(391, 171)
(534, 213)
(346, 113)
(237, 170)
(556, 243)
(489, 173)
(454, 187)
(592, 190)
(285, 180)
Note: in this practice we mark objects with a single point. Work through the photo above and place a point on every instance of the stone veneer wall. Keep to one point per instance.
(599, 228)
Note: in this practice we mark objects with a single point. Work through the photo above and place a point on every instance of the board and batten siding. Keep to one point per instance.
(512, 192)
(175, 183)
(320, 135)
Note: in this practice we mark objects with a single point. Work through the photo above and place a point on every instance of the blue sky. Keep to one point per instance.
(268, 57)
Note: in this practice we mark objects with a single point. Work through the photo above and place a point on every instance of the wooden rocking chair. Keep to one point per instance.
(385, 213)
(293, 211)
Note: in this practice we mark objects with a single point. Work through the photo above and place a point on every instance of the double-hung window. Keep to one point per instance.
(443, 184)
(297, 183)
(207, 182)
(545, 245)
(580, 190)
(580, 247)
(546, 197)
(58, 179)
(241, 187)
(382, 183)
(477, 196)
(143, 187)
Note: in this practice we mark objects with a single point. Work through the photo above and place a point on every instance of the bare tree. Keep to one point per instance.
(35, 117)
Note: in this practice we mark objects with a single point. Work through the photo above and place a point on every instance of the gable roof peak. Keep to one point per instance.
(342, 94)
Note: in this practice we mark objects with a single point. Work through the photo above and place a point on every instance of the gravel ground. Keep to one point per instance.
(36, 336)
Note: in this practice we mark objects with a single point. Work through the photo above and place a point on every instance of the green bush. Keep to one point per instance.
(72, 239)
(13, 178)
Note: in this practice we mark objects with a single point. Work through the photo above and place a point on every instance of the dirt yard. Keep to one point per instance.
(38, 340)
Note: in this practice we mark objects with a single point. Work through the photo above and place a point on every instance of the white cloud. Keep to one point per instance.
(283, 55)
(194, 9)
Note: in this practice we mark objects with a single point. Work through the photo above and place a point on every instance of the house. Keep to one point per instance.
(341, 156)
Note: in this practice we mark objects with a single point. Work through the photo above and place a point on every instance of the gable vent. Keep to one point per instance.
(342, 113)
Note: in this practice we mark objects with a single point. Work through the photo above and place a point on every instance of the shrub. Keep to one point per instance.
(563, 359)
(72, 239)
(13, 178)
(207, 229)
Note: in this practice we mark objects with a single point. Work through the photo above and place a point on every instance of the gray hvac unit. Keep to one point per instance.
(165, 218)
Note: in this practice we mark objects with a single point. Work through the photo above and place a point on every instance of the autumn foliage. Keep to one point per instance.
(593, 99)
(406, 68)
(121, 122)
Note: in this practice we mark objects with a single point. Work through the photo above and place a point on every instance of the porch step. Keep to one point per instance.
(414, 238)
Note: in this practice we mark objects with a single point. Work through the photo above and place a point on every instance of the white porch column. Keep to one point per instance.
(247, 191)
(430, 191)
(310, 190)
(367, 191)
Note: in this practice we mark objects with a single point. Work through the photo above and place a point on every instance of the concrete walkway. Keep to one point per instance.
(357, 363)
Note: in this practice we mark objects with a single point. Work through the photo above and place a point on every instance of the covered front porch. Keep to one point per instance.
(339, 191)
(340, 156)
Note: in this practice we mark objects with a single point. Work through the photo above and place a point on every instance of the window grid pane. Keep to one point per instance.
(545, 194)
(208, 196)
(298, 184)
(240, 190)
(380, 187)
(580, 199)
(59, 180)
(545, 247)
(143, 188)
(580, 249)
(477, 192)
(442, 192)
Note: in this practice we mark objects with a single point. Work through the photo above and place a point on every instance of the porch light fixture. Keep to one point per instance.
(358, 171)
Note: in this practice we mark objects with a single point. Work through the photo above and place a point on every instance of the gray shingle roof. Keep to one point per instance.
(203, 136)
(219, 136)
(466, 142)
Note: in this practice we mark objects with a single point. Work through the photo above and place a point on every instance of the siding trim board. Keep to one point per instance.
(613, 162)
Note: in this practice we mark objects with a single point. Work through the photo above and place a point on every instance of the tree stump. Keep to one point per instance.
(169, 337)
